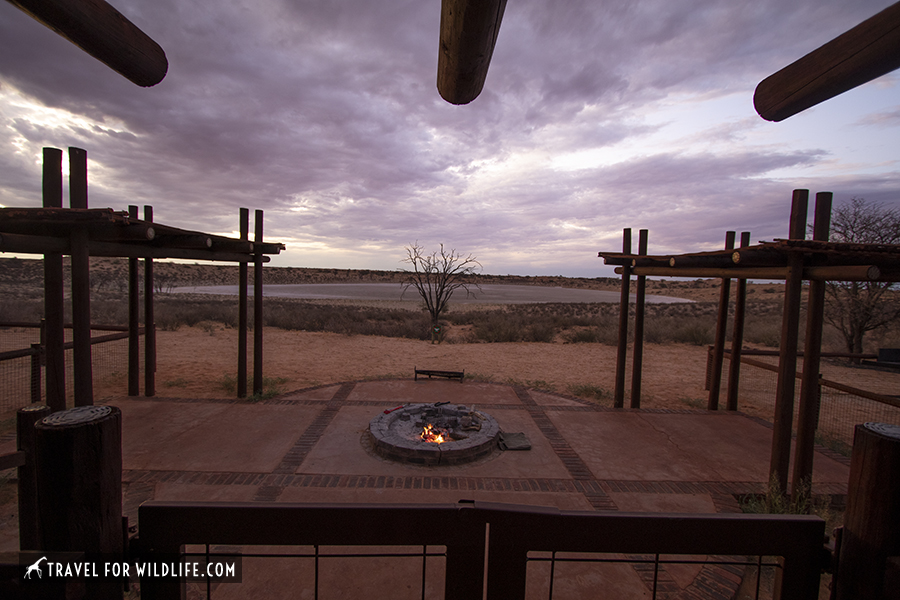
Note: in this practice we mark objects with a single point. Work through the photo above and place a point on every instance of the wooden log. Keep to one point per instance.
(718, 355)
(787, 358)
(871, 531)
(637, 352)
(622, 347)
(104, 33)
(258, 309)
(134, 317)
(869, 50)
(243, 284)
(53, 333)
(149, 322)
(469, 31)
(808, 411)
(29, 525)
(79, 463)
(737, 337)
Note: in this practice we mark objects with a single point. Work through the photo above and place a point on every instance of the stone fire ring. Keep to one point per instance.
(395, 436)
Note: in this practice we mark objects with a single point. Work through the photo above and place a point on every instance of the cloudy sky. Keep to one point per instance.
(596, 115)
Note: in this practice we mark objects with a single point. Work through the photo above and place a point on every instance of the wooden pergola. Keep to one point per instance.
(792, 260)
(81, 232)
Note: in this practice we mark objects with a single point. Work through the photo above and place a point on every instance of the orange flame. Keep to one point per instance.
(430, 434)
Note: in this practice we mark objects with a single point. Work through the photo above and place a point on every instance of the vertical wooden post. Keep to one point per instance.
(808, 414)
(258, 307)
(637, 362)
(871, 531)
(54, 305)
(737, 337)
(787, 359)
(622, 351)
(29, 527)
(242, 311)
(81, 284)
(149, 321)
(134, 320)
(79, 458)
(715, 383)
(36, 372)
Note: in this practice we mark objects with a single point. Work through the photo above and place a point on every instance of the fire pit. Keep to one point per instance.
(433, 434)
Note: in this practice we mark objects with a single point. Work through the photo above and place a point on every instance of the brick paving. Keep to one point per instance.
(636, 461)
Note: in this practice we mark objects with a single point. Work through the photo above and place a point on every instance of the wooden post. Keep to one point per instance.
(715, 383)
(808, 414)
(104, 33)
(54, 304)
(242, 311)
(149, 321)
(638, 351)
(622, 351)
(79, 458)
(81, 284)
(29, 527)
(469, 31)
(871, 531)
(258, 307)
(134, 320)
(787, 352)
(36, 372)
(737, 337)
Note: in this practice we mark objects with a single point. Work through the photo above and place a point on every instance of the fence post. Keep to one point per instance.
(737, 337)
(29, 525)
(715, 383)
(871, 532)
(637, 352)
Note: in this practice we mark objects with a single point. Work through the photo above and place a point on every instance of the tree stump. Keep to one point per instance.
(29, 527)
(872, 521)
(79, 463)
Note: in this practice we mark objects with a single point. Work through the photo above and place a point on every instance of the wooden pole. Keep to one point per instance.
(808, 414)
(29, 526)
(104, 33)
(54, 304)
(622, 351)
(149, 321)
(787, 356)
(737, 337)
(258, 308)
(718, 355)
(871, 530)
(134, 320)
(81, 283)
(869, 50)
(242, 311)
(638, 351)
(79, 459)
(469, 31)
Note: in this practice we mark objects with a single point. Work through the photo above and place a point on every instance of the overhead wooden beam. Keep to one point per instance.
(869, 50)
(104, 33)
(468, 34)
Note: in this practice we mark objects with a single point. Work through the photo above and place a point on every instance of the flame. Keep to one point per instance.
(430, 434)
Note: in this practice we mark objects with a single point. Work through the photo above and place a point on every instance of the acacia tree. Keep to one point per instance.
(857, 307)
(438, 275)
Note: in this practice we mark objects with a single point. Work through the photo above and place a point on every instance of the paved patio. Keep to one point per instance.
(310, 446)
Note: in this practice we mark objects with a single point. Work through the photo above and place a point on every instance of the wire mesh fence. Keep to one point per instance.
(841, 406)
(22, 374)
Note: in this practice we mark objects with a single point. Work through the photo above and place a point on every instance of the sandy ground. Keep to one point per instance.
(195, 362)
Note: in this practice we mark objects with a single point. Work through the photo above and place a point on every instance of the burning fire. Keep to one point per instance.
(435, 436)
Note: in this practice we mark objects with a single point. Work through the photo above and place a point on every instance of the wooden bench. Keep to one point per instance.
(435, 373)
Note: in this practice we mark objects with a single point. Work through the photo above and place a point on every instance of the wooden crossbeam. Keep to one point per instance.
(869, 50)
(104, 33)
(469, 31)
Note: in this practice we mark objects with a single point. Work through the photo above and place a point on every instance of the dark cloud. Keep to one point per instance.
(326, 115)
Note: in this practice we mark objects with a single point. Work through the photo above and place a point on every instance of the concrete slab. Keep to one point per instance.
(208, 436)
(396, 392)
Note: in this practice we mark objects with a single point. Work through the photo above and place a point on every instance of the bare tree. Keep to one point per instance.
(857, 307)
(438, 275)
